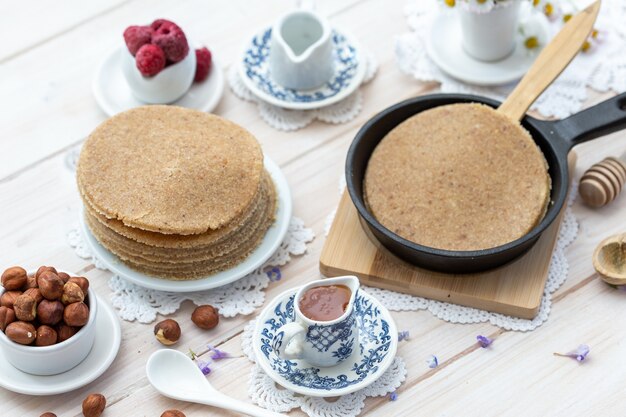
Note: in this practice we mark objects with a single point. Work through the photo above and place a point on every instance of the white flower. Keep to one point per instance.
(532, 28)
(479, 6)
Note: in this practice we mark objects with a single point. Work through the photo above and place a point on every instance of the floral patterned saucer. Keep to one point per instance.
(378, 342)
(348, 75)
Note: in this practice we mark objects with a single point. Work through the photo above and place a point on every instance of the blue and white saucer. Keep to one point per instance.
(378, 342)
(348, 75)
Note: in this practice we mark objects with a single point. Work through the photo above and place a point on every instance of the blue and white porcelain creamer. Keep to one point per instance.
(320, 343)
(301, 50)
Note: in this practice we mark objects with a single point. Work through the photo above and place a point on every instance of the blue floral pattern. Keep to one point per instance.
(256, 69)
(374, 344)
(323, 337)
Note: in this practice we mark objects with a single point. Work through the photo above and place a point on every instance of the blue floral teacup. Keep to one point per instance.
(320, 343)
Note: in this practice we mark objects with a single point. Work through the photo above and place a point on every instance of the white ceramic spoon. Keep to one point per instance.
(174, 375)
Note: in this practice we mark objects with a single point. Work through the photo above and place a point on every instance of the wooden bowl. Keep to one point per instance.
(609, 259)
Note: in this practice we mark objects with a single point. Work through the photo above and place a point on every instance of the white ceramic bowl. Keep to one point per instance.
(58, 358)
(167, 86)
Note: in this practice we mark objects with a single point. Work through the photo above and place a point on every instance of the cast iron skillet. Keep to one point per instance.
(555, 138)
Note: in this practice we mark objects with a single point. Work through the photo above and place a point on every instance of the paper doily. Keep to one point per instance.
(240, 297)
(603, 68)
(288, 120)
(454, 313)
(263, 391)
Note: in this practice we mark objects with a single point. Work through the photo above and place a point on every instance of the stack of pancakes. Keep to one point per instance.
(175, 193)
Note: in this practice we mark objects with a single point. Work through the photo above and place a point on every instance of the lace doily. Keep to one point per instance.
(602, 68)
(557, 274)
(241, 297)
(264, 392)
(288, 120)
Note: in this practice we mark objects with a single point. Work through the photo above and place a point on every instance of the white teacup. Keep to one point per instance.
(301, 51)
(320, 343)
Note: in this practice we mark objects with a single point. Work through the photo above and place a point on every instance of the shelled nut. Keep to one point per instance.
(44, 268)
(64, 332)
(8, 298)
(48, 414)
(35, 293)
(94, 405)
(167, 332)
(7, 316)
(25, 308)
(64, 276)
(205, 317)
(14, 278)
(21, 332)
(46, 336)
(82, 282)
(50, 312)
(76, 314)
(31, 282)
(50, 285)
(173, 413)
(72, 293)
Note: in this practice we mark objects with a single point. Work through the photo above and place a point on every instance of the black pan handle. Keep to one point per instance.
(599, 120)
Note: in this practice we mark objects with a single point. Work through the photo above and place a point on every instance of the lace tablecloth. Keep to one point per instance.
(602, 68)
(285, 119)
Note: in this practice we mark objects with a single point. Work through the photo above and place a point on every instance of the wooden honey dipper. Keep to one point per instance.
(603, 182)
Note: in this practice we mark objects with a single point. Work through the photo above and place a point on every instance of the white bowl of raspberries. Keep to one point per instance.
(157, 62)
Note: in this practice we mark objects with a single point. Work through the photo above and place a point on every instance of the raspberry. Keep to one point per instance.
(203, 64)
(157, 23)
(150, 60)
(171, 39)
(136, 37)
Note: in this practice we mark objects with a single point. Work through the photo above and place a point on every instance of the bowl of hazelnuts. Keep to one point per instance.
(47, 319)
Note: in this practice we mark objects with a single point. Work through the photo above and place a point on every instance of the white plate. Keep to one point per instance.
(104, 351)
(113, 94)
(445, 49)
(348, 76)
(273, 238)
(378, 343)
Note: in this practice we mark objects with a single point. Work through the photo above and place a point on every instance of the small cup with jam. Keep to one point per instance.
(324, 331)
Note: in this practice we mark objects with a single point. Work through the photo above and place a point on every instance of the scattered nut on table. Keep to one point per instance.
(94, 405)
(173, 413)
(205, 317)
(167, 332)
(14, 278)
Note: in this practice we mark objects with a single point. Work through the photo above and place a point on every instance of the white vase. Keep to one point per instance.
(490, 36)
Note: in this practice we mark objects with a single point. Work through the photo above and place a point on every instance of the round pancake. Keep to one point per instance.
(168, 169)
(458, 177)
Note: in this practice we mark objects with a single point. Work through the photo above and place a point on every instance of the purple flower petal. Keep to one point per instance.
(403, 335)
(204, 367)
(217, 354)
(580, 354)
(432, 362)
(393, 396)
(274, 274)
(484, 341)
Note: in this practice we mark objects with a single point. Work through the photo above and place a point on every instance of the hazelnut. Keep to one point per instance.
(48, 414)
(8, 298)
(167, 332)
(205, 317)
(14, 278)
(76, 314)
(46, 336)
(64, 332)
(35, 293)
(44, 268)
(50, 285)
(31, 282)
(93, 405)
(7, 316)
(82, 282)
(173, 413)
(50, 312)
(25, 308)
(72, 293)
(65, 277)
(21, 332)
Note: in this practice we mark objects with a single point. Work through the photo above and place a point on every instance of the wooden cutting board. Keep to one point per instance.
(514, 289)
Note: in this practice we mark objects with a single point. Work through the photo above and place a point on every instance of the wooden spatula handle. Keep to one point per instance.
(551, 62)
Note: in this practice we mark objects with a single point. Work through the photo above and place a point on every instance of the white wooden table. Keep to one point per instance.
(48, 55)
